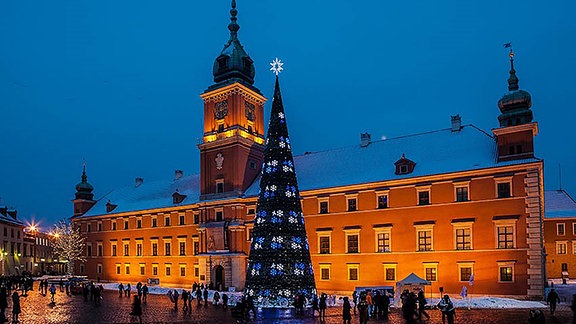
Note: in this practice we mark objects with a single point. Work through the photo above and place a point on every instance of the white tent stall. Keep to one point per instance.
(412, 283)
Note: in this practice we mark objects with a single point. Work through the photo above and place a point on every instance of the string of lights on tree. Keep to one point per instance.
(279, 266)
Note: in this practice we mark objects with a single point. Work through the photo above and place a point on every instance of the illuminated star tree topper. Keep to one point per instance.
(276, 66)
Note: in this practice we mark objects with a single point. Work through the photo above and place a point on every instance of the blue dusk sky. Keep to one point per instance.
(117, 83)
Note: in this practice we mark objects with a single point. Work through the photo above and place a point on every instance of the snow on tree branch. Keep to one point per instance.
(68, 243)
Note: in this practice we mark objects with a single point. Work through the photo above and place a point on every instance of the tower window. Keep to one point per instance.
(252, 164)
(220, 128)
(250, 129)
(219, 216)
(220, 187)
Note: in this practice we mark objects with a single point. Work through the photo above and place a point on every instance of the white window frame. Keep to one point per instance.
(112, 245)
(196, 270)
(152, 242)
(180, 240)
(461, 184)
(502, 223)
(381, 193)
(180, 266)
(503, 180)
(382, 230)
(140, 267)
(152, 218)
(560, 243)
(431, 265)
(155, 268)
(348, 233)
(218, 181)
(327, 201)
(463, 225)
(124, 245)
(348, 198)
(558, 229)
(325, 266)
(573, 247)
(328, 234)
(390, 265)
(425, 227)
(99, 247)
(465, 265)
(168, 240)
(249, 229)
(195, 240)
(127, 269)
(350, 266)
(141, 242)
(168, 266)
(423, 189)
(507, 264)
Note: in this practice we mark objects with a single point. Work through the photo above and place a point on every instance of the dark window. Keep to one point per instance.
(423, 197)
(504, 190)
(100, 250)
(505, 237)
(168, 270)
(219, 187)
(139, 249)
(353, 274)
(324, 244)
(182, 271)
(5, 231)
(506, 274)
(352, 204)
(12, 232)
(560, 229)
(155, 270)
(167, 248)
(431, 274)
(154, 249)
(219, 216)
(196, 218)
(89, 250)
(220, 128)
(167, 221)
(403, 169)
(142, 270)
(383, 201)
(252, 165)
(462, 194)
(126, 225)
(114, 250)
(564, 266)
(511, 150)
(182, 219)
(113, 225)
(424, 240)
(518, 149)
(196, 247)
(154, 222)
(99, 227)
(127, 269)
(325, 273)
(463, 239)
(323, 207)
(390, 274)
(182, 248)
(117, 269)
(383, 242)
(352, 243)
(465, 273)
(126, 250)
(249, 129)
(251, 211)
(88, 229)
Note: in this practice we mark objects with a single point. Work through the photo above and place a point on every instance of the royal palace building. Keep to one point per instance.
(456, 206)
(560, 234)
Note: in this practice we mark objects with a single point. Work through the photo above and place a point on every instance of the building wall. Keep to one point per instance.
(560, 248)
(13, 261)
(482, 214)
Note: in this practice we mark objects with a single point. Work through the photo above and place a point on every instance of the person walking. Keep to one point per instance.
(552, 299)
(137, 308)
(315, 305)
(346, 311)
(52, 292)
(216, 298)
(225, 301)
(128, 290)
(120, 290)
(184, 300)
(175, 296)
(199, 295)
(144, 293)
(448, 310)
(16, 310)
(3, 304)
(355, 300)
(363, 308)
(322, 307)
(421, 305)
(383, 307)
(206, 296)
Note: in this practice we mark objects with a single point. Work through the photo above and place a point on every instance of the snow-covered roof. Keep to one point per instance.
(558, 204)
(148, 195)
(436, 152)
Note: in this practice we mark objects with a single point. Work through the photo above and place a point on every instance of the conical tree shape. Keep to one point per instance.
(279, 266)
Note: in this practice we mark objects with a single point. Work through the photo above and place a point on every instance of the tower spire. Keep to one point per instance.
(513, 79)
(233, 26)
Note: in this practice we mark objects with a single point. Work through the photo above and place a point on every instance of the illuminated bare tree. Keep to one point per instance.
(68, 243)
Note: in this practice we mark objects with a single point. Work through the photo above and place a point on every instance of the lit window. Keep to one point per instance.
(168, 270)
(505, 237)
(323, 207)
(324, 244)
(505, 274)
(424, 240)
(352, 244)
(561, 247)
(154, 249)
(431, 271)
(155, 269)
(352, 204)
(383, 239)
(182, 248)
(461, 194)
(465, 270)
(463, 238)
(390, 271)
(167, 248)
(118, 268)
(142, 269)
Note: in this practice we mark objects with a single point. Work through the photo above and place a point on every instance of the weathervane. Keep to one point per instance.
(509, 45)
(276, 66)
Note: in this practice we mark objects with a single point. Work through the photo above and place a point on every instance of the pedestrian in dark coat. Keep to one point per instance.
(383, 307)
(205, 296)
(3, 304)
(421, 304)
(552, 299)
(144, 293)
(447, 308)
(355, 300)
(363, 309)
(184, 300)
(176, 295)
(314, 305)
(137, 309)
(408, 306)
(15, 307)
(225, 301)
(120, 289)
(346, 311)
(322, 306)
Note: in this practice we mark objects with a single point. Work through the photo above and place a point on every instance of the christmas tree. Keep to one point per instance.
(68, 244)
(279, 266)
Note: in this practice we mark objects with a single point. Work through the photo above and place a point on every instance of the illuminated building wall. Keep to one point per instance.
(560, 234)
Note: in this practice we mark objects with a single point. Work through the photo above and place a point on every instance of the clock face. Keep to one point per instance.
(249, 110)
(221, 109)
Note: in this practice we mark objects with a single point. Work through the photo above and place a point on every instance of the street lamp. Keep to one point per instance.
(34, 231)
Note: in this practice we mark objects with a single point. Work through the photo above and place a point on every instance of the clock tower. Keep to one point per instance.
(232, 147)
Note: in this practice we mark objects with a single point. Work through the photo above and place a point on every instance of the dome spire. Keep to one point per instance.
(84, 189)
(513, 79)
(233, 26)
(84, 177)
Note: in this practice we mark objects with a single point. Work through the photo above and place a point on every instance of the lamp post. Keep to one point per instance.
(34, 230)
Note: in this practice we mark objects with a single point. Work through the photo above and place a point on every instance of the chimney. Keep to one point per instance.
(364, 139)
(456, 123)
(139, 182)
(178, 174)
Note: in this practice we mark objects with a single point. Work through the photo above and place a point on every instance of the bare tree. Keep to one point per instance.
(68, 243)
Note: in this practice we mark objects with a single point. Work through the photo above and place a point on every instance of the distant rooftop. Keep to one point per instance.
(436, 152)
(558, 204)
